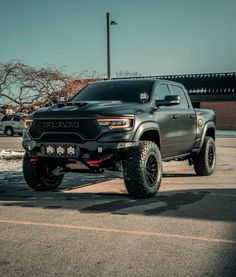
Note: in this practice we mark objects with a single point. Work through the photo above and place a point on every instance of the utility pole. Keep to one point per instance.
(108, 48)
(109, 23)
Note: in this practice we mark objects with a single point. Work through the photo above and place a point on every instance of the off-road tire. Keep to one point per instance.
(135, 170)
(36, 176)
(9, 131)
(205, 161)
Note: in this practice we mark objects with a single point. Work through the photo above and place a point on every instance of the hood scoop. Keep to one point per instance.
(110, 103)
(77, 104)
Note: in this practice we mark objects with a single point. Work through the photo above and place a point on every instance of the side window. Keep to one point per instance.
(183, 100)
(162, 92)
(6, 118)
(16, 119)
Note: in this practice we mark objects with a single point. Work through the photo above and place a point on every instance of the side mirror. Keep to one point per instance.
(170, 100)
(64, 99)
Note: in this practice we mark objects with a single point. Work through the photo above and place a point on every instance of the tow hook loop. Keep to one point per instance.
(34, 159)
(99, 161)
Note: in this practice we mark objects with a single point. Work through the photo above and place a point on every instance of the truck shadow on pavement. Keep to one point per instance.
(213, 204)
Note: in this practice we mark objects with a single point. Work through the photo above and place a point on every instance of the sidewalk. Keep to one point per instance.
(11, 143)
(225, 133)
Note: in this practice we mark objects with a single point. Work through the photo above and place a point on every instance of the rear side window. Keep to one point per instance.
(6, 118)
(183, 100)
(162, 92)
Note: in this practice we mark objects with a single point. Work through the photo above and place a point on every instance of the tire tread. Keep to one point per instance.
(32, 176)
(200, 161)
(133, 175)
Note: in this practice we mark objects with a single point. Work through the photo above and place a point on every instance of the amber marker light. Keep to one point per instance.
(28, 123)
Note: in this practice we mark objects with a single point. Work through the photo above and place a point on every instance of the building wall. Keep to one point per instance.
(225, 113)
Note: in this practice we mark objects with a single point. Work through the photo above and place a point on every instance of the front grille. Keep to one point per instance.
(88, 128)
(62, 138)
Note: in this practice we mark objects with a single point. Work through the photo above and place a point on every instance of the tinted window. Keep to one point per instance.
(127, 91)
(162, 91)
(183, 100)
(6, 118)
(16, 119)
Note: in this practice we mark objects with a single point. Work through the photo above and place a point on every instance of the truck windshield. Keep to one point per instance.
(127, 91)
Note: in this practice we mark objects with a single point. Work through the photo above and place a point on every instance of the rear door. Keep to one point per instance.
(19, 124)
(187, 120)
(16, 124)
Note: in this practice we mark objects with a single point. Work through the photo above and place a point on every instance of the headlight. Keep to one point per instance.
(116, 123)
(28, 123)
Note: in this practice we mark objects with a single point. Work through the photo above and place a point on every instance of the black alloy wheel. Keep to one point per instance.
(211, 156)
(142, 169)
(151, 170)
(205, 161)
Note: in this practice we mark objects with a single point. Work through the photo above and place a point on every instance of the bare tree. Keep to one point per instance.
(6, 79)
(127, 74)
(28, 88)
(23, 85)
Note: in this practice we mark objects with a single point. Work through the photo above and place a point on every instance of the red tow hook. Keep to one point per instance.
(99, 161)
(92, 162)
(34, 159)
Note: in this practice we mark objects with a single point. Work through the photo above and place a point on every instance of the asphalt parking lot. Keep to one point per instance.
(11, 143)
(91, 227)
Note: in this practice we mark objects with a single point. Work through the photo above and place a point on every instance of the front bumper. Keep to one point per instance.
(34, 147)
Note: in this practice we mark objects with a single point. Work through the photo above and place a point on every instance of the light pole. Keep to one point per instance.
(109, 23)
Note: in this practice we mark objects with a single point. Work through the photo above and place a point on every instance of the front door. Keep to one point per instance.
(168, 123)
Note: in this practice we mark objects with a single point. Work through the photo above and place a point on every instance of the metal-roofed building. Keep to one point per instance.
(207, 87)
(215, 91)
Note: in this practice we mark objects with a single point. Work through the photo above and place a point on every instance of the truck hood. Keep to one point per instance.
(89, 109)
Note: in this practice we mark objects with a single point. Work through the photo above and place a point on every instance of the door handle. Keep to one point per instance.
(191, 116)
(175, 116)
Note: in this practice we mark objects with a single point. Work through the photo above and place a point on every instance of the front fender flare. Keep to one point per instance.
(144, 127)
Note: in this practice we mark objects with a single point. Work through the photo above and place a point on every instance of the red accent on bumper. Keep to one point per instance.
(98, 161)
(34, 159)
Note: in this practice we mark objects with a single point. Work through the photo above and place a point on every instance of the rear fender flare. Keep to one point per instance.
(207, 126)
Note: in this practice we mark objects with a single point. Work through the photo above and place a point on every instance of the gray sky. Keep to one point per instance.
(152, 36)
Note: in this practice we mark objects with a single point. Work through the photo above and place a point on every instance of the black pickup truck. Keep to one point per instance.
(128, 125)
